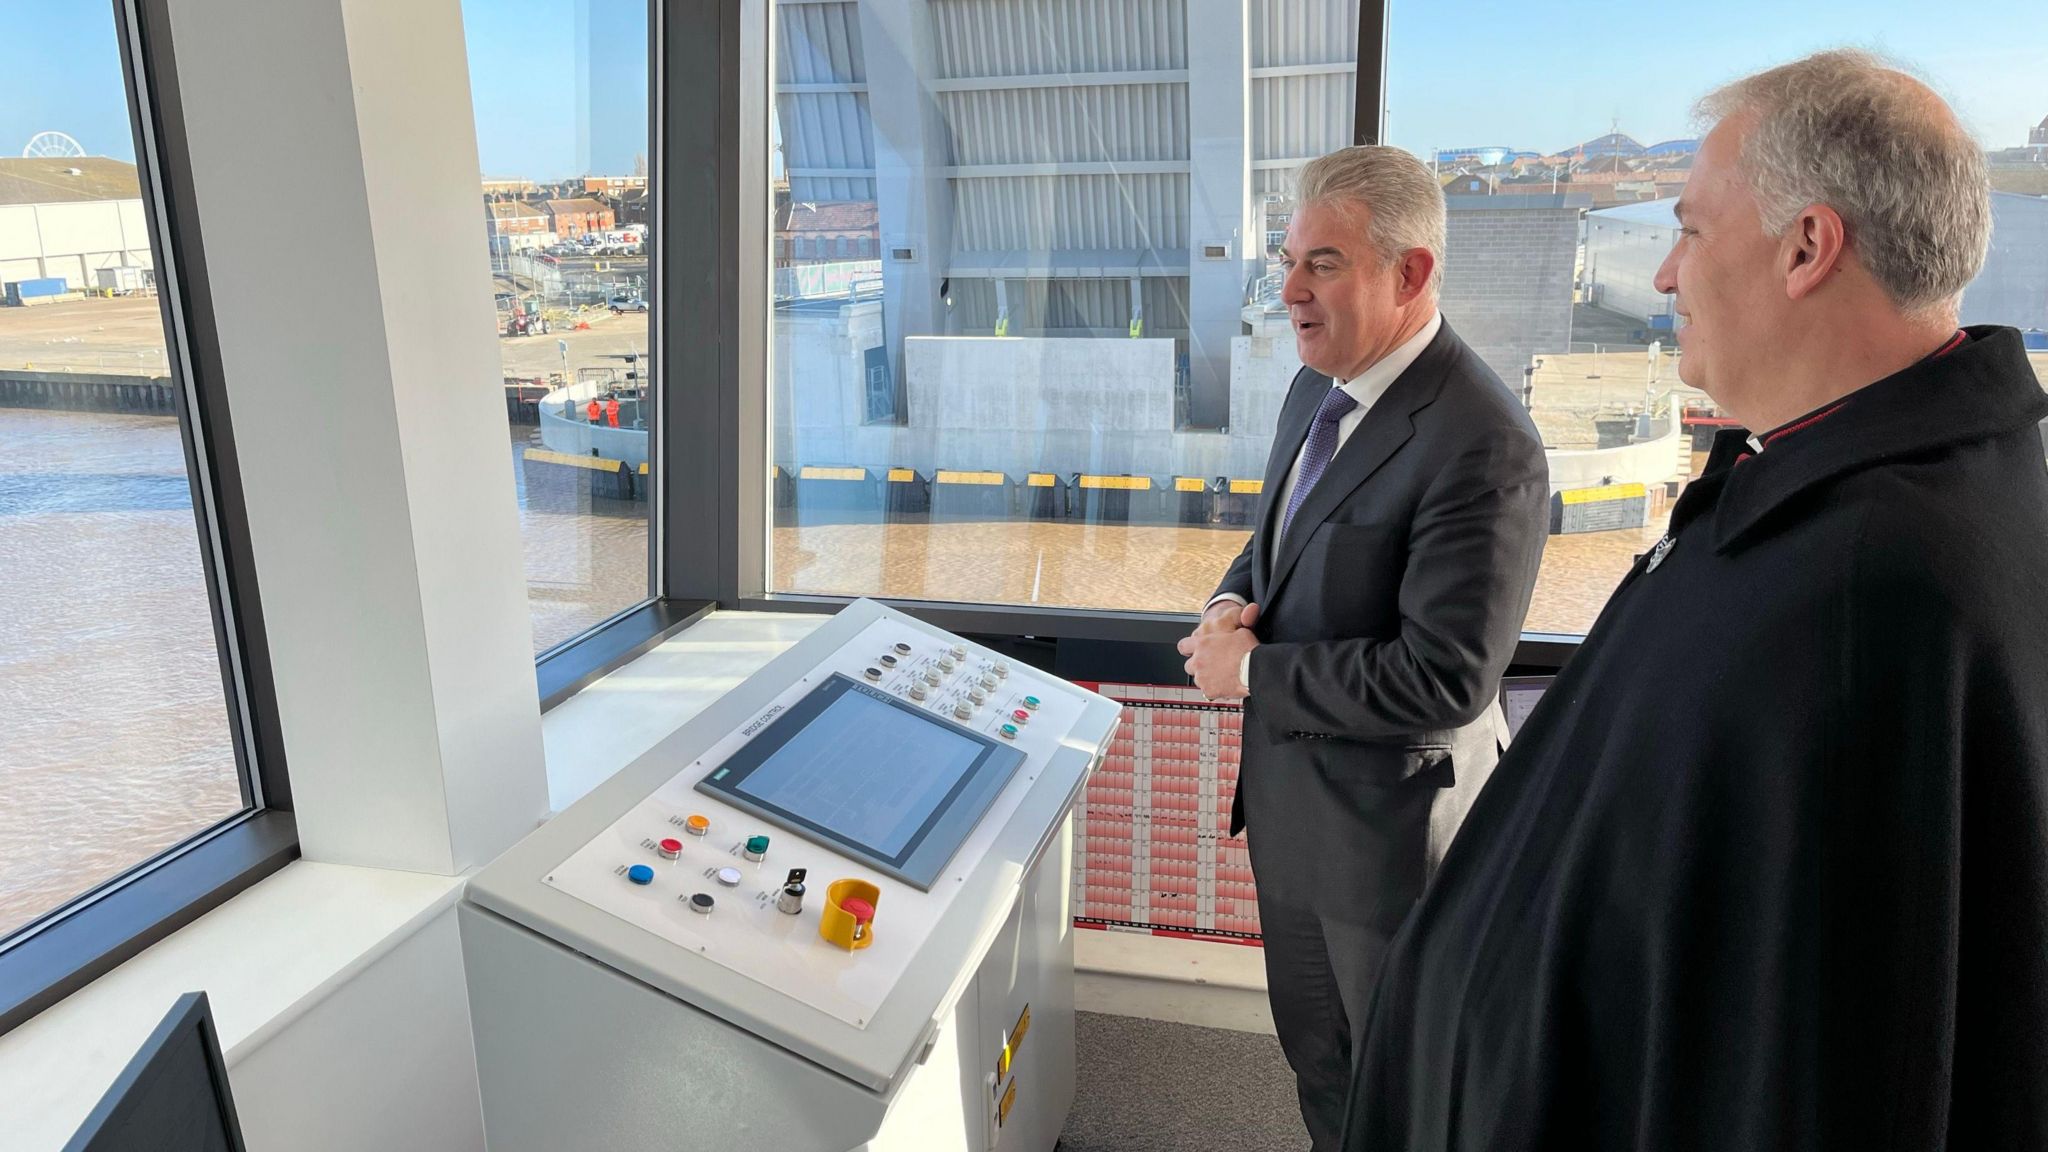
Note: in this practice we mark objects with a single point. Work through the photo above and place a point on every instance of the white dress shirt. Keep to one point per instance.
(1366, 388)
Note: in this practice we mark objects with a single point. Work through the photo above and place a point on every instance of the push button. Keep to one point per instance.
(670, 849)
(1031, 702)
(697, 825)
(640, 874)
(730, 877)
(757, 847)
(1009, 731)
(702, 902)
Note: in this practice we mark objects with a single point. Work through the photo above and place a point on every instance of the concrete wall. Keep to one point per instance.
(72, 240)
(1644, 462)
(2013, 287)
(1508, 279)
(1622, 258)
(1019, 405)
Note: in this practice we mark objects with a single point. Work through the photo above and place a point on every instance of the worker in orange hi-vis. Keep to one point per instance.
(594, 409)
(611, 411)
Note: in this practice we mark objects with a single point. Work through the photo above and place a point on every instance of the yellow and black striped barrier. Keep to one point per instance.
(563, 478)
(1044, 496)
(905, 494)
(1118, 499)
(836, 493)
(1604, 508)
(962, 494)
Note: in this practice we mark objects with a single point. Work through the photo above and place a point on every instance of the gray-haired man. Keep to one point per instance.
(1768, 867)
(1372, 612)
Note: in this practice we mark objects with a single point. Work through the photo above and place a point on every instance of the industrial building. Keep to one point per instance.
(68, 217)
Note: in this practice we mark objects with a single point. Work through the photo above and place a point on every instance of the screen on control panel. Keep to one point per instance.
(886, 781)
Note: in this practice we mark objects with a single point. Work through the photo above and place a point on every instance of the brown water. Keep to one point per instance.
(114, 739)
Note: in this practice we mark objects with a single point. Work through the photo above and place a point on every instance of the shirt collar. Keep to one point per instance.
(1373, 383)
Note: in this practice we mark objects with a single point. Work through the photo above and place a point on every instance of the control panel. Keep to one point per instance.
(814, 848)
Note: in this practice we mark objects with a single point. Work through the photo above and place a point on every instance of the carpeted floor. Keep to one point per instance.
(1151, 1086)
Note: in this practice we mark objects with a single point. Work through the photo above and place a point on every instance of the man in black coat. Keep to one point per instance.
(1375, 606)
(1768, 866)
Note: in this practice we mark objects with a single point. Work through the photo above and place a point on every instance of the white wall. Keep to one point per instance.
(386, 1062)
(72, 240)
(390, 565)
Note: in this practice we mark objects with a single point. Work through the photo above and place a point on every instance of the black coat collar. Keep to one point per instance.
(1982, 389)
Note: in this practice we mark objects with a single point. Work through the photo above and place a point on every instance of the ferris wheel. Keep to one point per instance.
(53, 144)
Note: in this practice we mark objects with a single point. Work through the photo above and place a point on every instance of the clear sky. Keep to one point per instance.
(1544, 75)
(561, 85)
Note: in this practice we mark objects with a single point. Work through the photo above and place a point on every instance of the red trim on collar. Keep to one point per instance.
(1809, 422)
(1954, 342)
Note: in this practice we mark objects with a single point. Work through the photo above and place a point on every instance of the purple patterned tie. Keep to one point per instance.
(1315, 455)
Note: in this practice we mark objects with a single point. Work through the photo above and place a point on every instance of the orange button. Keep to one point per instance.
(697, 825)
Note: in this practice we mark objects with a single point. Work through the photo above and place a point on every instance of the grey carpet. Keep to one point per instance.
(1151, 1086)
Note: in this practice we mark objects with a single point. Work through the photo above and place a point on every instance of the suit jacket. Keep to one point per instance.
(1386, 619)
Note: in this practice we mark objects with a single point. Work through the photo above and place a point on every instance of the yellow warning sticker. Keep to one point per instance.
(1017, 1033)
(1003, 1109)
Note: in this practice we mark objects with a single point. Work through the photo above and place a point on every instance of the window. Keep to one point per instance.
(1560, 195)
(119, 739)
(561, 95)
(1045, 392)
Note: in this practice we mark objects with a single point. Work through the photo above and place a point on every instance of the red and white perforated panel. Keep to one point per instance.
(1152, 844)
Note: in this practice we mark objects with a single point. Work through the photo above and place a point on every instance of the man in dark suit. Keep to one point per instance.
(1370, 616)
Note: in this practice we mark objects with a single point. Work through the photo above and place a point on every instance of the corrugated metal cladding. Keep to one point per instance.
(1045, 213)
(1048, 37)
(1071, 305)
(818, 44)
(1299, 116)
(1047, 125)
(1303, 32)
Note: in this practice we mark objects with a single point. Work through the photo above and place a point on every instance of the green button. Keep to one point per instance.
(1009, 729)
(758, 845)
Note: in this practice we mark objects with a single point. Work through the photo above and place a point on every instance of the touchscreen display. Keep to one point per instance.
(865, 769)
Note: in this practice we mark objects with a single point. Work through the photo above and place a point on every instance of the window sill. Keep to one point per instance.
(615, 720)
(264, 958)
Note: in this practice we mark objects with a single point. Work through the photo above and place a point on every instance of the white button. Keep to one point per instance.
(730, 877)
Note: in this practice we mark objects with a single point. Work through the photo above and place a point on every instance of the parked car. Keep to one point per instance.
(621, 304)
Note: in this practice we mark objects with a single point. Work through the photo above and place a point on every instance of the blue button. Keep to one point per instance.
(640, 874)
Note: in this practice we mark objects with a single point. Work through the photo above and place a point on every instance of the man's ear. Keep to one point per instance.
(1416, 267)
(1813, 248)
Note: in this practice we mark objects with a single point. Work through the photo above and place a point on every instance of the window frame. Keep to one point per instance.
(709, 83)
(69, 946)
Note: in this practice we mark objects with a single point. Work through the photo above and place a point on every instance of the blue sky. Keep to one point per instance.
(1544, 75)
(560, 86)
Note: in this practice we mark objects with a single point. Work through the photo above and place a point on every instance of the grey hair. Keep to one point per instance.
(1851, 131)
(1406, 203)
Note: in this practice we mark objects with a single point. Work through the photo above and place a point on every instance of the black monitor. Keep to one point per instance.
(886, 782)
(173, 1097)
(1519, 696)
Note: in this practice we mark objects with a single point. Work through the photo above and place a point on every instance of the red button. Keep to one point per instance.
(672, 847)
(1020, 715)
(857, 908)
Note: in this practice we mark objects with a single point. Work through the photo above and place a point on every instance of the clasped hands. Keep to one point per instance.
(1216, 648)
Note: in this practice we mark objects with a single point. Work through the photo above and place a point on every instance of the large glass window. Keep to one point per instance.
(1031, 380)
(1563, 138)
(561, 95)
(115, 732)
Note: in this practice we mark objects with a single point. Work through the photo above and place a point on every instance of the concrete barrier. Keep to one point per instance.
(964, 495)
(1607, 508)
(1118, 500)
(1043, 496)
(88, 392)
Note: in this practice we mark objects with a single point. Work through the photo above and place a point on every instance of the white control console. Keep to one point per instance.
(645, 970)
(698, 887)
